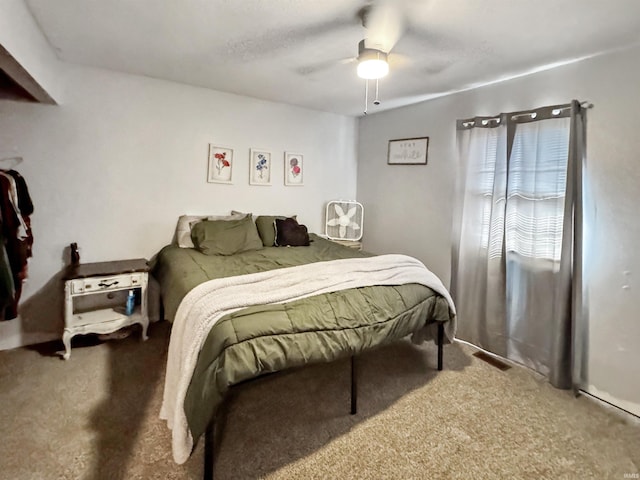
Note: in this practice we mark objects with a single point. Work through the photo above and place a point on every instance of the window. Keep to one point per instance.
(487, 184)
(536, 189)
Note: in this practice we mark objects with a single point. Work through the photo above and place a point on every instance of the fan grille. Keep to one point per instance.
(344, 220)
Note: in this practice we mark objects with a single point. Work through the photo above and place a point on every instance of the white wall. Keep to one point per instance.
(114, 166)
(23, 39)
(418, 199)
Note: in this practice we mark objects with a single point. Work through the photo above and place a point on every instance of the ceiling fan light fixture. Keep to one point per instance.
(372, 62)
(373, 68)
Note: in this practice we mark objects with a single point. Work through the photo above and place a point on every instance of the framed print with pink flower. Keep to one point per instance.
(293, 169)
(220, 164)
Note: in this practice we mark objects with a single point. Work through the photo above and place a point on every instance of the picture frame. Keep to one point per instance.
(220, 164)
(293, 169)
(408, 151)
(260, 170)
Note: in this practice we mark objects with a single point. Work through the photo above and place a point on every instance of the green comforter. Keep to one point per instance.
(270, 338)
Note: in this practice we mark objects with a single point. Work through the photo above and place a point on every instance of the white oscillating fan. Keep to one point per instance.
(344, 220)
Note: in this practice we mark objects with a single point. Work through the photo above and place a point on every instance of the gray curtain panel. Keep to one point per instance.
(517, 236)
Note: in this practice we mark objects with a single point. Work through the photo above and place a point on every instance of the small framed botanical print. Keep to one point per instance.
(293, 169)
(220, 164)
(259, 167)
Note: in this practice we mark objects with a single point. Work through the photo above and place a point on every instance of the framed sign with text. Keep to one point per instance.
(408, 151)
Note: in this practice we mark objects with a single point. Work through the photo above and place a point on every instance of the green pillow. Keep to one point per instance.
(226, 237)
(267, 229)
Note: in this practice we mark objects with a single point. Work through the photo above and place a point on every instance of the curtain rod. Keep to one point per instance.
(495, 120)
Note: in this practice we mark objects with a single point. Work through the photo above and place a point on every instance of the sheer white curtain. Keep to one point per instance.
(533, 237)
(478, 275)
(514, 271)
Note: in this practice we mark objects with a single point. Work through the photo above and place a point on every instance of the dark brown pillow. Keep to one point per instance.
(290, 233)
(267, 228)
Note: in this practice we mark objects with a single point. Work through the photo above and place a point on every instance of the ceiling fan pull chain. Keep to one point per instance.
(377, 100)
(366, 96)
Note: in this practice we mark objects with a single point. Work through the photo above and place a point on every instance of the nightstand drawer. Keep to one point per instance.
(97, 284)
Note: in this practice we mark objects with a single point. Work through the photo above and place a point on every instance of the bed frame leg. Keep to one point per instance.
(208, 450)
(354, 386)
(440, 344)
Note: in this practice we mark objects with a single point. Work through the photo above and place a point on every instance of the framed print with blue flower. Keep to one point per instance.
(259, 167)
(293, 169)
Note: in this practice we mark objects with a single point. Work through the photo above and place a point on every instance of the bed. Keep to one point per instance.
(266, 309)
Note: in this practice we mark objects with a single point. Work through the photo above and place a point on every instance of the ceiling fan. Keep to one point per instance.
(385, 24)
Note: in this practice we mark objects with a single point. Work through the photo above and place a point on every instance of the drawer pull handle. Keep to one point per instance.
(107, 284)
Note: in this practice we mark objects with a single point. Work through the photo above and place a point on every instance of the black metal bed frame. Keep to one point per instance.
(210, 432)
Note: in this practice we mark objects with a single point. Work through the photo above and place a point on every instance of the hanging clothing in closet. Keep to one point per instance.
(16, 240)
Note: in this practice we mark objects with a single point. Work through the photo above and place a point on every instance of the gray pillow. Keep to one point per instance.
(226, 237)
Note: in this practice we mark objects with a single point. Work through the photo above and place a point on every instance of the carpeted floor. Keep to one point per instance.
(96, 417)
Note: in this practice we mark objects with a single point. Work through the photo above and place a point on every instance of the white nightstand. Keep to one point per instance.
(104, 277)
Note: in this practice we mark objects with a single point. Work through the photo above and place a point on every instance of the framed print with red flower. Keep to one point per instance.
(293, 169)
(220, 164)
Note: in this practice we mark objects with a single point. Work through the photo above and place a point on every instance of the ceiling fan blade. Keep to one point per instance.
(273, 42)
(321, 66)
(398, 60)
(430, 65)
(385, 24)
(437, 66)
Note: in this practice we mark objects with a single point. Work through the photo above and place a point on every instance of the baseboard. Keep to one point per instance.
(22, 339)
(616, 410)
(497, 357)
(12, 336)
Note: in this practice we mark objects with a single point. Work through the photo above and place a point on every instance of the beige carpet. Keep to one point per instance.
(96, 416)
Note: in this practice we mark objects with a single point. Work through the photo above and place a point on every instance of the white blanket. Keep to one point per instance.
(203, 306)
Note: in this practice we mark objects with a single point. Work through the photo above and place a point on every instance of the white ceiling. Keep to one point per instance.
(297, 51)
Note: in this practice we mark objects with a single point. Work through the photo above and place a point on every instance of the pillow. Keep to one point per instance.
(226, 237)
(236, 212)
(182, 235)
(267, 229)
(290, 233)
